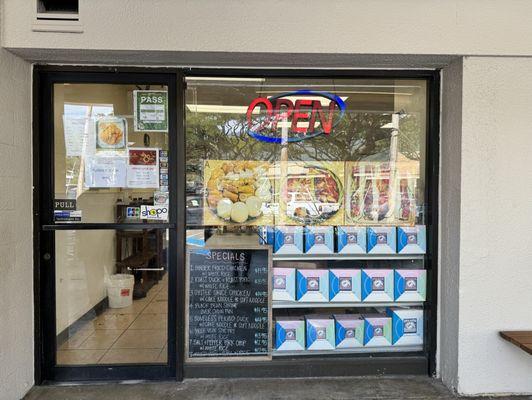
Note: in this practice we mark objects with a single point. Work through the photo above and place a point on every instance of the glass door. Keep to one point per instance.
(108, 189)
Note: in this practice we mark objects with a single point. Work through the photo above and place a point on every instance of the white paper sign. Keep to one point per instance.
(105, 172)
(159, 213)
(76, 131)
(143, 168)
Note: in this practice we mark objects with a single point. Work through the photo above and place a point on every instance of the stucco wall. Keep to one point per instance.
(495, 273)
(297, 26)
(16, 241)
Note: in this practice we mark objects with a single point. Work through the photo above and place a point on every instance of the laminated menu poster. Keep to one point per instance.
(238, 192)
(311, 193)
(229, 313)
(143, 168)
(111, 134)
(377, 193)
(150, 110)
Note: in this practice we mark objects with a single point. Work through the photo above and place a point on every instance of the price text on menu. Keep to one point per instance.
(228, 303)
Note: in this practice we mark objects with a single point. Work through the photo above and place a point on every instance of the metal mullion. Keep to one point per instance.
(106, 226)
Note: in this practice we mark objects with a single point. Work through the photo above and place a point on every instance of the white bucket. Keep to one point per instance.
(120, 290)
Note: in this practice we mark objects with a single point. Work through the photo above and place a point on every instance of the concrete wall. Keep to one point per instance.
(16, 236)
(449, 222)
(495, 275)
(498, 27)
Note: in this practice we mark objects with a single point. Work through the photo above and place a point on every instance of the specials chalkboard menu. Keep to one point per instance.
(228, 303)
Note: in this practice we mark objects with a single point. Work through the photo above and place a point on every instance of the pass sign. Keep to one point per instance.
(151, 110)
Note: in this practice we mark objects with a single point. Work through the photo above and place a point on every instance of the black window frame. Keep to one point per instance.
(46, 369)
(423, 363)
(409, 363)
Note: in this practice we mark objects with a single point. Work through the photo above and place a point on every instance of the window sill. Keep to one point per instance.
(56, 25)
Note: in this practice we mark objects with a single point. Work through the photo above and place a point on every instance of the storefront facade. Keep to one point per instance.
(285, 221)
(347, 185)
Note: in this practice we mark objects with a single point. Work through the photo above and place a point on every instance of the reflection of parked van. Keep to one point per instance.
(302, 205)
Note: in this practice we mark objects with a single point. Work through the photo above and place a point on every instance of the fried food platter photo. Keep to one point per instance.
(237, 192)
(111, 134)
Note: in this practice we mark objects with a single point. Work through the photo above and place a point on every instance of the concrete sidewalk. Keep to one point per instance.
(397, 388)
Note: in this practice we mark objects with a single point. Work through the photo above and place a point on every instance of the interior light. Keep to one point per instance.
(226, 79)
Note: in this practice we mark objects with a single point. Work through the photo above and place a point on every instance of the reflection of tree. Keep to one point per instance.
(224, 137)
(359, 135)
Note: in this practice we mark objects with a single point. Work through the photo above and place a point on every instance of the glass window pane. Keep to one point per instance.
(111, 296)
(330, 173)
(111, 152)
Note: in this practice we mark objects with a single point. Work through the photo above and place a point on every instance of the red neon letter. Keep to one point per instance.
(326, 124)
(278, 114)
(316, 106)
(255, 103)
(299, 115)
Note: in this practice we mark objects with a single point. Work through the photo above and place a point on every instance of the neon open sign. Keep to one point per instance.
(304, 118)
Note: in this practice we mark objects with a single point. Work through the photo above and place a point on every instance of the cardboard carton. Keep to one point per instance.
(349, 331)
(377, 285)
(320, 332)
(312, 285)
(381, 240)
(407, 326)
(411, 240)
(410, 284)
(284, 284)
(351, 240)
(319, 239)
(345, 285)
(289, 334)
(377, 330)
(266, 235)
(288, 240)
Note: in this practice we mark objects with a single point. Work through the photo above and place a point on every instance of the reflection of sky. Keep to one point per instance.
(81, 110)
(238, 127)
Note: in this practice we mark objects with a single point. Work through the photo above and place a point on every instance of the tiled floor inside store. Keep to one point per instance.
(135, 334)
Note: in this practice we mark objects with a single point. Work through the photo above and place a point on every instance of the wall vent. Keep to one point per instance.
(57, 16)
(58, 10)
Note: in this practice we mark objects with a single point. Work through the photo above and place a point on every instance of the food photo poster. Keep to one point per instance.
(143, 168)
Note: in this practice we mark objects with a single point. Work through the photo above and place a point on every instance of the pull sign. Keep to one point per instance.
(65, 204)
